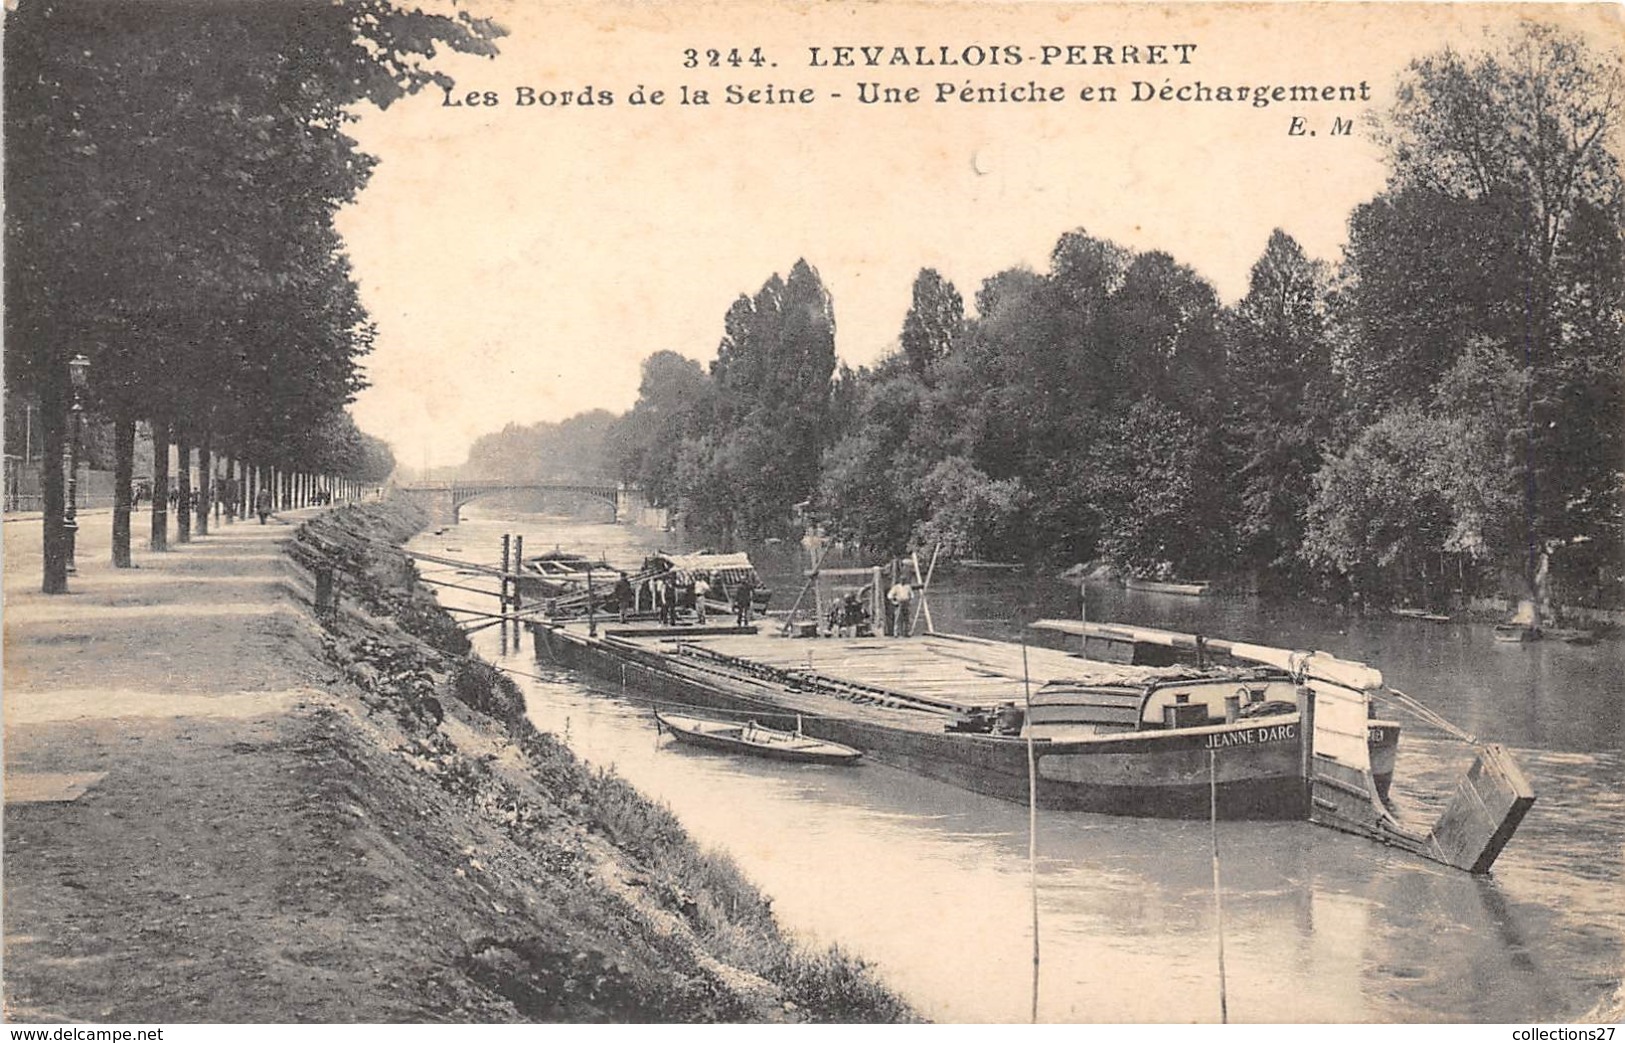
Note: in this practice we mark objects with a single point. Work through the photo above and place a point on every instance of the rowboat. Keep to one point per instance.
(1193, 588)
(1515, 633)
(756, 739)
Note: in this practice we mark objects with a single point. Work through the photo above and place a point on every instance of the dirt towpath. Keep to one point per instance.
(174, 887)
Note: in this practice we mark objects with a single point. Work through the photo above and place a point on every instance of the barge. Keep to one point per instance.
(561, 572)
(1244, 732)
(723, 573)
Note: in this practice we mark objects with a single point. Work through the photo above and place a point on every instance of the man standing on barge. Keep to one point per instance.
(898, 597)
(623, 596)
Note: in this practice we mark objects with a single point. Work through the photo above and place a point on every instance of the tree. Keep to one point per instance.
(1535, 119)
(997, 374)
(1282, 402)
(772, 384)
(1154, 512)
(1162, 329)
(1427, 483)
(577, 448)
(934, 322)
(1428, 274)
(1376, 510)
(675, 405)
(1480, 435)
(969, 514)
(173, 172)
(870, 492)
(1501, 225)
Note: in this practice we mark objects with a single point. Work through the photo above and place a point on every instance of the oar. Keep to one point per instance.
(654, 708)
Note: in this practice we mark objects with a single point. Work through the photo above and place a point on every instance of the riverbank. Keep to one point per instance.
(285, 819)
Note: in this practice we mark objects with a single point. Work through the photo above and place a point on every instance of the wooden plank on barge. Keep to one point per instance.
(770, 697)
(958, 673)
(793, 671)
(802, 678)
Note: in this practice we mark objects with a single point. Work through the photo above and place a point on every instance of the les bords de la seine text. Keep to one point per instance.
(891, 74)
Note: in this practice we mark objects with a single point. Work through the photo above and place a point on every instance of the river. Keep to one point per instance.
(931, 883)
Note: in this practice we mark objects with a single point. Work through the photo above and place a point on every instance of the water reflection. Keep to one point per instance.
(931, 883)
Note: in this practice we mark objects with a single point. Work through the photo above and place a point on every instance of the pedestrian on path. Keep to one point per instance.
(262, 505)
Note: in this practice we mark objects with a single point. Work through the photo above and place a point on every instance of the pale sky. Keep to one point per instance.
(521, 261)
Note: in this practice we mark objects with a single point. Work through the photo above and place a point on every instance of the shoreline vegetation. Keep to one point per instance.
(604, 908)
(1433, 419)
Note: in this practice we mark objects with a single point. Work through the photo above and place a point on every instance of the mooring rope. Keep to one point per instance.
(1428, 715)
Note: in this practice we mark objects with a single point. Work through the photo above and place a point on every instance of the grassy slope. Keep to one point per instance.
(565, 894)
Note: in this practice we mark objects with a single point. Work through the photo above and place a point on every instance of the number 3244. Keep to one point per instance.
(714, 58)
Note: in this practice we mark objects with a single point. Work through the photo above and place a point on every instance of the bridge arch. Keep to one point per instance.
(445, 500)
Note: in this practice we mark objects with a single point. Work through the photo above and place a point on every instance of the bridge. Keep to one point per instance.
(445, 500)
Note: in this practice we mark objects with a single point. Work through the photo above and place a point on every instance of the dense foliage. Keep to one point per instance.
(1485, 329)
(172, 173)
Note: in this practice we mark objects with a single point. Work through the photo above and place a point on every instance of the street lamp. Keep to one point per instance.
(79, 374)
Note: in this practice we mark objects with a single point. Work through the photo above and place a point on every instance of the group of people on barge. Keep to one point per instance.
(850, 615)
(680, 590)
(677, 597)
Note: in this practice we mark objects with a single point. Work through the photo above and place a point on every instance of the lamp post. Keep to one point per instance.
(79, 372)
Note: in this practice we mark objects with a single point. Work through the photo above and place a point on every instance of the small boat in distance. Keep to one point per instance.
(1515, 633)
(1420, 614)
(753, 738)
(1193, 588)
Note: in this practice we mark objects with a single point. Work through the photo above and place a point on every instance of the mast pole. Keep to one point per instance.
(1218, 900)
(1032, 812)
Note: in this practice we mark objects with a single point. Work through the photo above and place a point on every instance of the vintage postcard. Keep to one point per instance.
(962, 512)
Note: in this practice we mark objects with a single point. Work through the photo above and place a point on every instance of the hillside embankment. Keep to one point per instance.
(343, 816)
